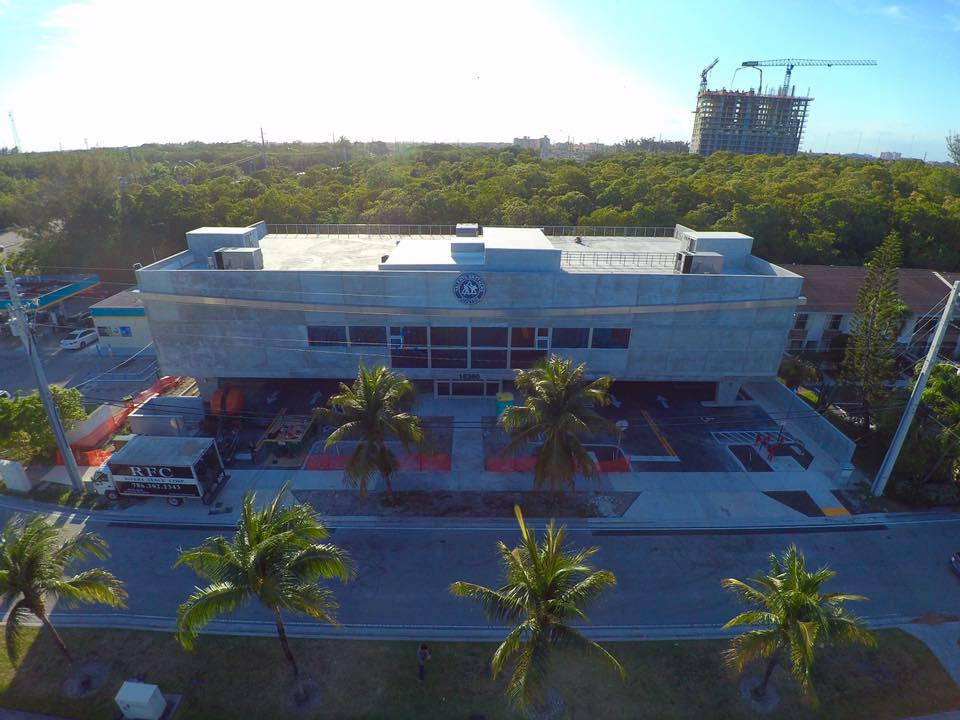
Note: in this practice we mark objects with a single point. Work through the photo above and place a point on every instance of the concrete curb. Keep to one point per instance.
(452, 633)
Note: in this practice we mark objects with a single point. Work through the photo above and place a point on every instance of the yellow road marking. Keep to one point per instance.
(835, 511)
(659, 433)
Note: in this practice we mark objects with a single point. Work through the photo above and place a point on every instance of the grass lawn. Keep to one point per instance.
(235, 677)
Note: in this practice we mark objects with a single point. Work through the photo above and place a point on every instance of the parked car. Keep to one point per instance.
(955, 562)
(79, 339)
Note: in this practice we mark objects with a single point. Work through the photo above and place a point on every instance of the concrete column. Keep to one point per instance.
(727, 392)
(207, 387)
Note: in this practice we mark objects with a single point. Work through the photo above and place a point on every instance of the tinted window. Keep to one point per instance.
(411, 334)
(448, 336)
(409, 358)
(522, 337)
(488, 337)
(611, 337)
(525, 358)
(488, 359)
(570, 337)
(327, 335)
(368, 335)
(446, 358)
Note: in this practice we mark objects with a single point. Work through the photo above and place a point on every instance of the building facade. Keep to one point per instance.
(748, 122)
(831, 299)
(460, 309)
(121, 323)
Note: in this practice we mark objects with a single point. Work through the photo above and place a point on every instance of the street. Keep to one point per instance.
(664, 579)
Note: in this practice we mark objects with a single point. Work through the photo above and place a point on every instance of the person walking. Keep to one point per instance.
(423, 656)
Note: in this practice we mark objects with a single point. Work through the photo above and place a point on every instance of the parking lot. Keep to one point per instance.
(71, 368)
(670, 430)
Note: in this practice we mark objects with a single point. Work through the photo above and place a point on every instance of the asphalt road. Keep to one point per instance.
(665, 580)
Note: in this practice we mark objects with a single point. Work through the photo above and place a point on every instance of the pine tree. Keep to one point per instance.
(869, 361)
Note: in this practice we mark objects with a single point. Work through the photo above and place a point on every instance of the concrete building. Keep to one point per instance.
(458, 309)
(121, 323)
(831, 293)
(749, 122)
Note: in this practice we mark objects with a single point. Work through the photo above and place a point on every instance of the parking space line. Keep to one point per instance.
(659, 433)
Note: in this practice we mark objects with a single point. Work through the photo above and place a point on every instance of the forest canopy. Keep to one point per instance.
(111, 208)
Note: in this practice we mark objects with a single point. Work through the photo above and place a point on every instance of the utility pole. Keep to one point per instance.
(26, 337)
(263, 149)
(880, 483)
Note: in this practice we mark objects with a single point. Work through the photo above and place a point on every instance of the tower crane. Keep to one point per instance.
(16, 137)
(704, 72)
(791, 63)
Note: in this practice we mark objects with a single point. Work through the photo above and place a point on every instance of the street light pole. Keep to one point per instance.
(880, 483)
(26, 337)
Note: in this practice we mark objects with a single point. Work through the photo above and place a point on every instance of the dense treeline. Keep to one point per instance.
(113, 207)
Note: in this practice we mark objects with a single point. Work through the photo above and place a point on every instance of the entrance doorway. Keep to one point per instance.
(467, 388)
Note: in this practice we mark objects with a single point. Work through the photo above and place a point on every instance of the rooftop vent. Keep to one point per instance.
(468, 230)
(238, 258)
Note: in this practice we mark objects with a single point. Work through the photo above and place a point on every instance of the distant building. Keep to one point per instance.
(748, 122)
(889, 155)
(529, 143)
(831, 293)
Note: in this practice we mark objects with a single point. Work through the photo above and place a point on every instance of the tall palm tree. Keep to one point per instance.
(545, 589)
(794, 615)
(559, 409)
(371, 412)
(275, 557)
(35, 562)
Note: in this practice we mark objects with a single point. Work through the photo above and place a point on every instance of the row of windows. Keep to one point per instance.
(421, 357)
(800, 321)
(421, 336)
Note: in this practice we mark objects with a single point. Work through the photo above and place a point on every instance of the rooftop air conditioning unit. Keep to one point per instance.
(238, 258)
(683, 263)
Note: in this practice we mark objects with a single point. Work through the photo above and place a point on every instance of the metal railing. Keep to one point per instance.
(360, 229)
(617, 259)
(427, 229)
(608, 231)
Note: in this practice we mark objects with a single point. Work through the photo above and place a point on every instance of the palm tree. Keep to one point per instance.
(559, 409)
(275, 557)
(546, 588)
(794, 615)
(34, 564)
(370, 412)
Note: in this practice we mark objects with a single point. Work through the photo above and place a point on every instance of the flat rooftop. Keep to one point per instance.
(364, 252)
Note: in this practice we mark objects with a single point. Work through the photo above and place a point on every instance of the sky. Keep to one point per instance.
(127, 72)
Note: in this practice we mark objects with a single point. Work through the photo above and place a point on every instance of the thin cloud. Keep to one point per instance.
(116, 73)
(893, 11)
(953, 22)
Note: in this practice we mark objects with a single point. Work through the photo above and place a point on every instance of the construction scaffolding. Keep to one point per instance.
(748, 122)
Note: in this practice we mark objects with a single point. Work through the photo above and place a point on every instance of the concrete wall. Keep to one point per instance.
(167, 415)
(119, 343)
(780, 402)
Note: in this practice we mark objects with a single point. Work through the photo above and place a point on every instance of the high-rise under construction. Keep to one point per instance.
(748, 122)
(753, 121)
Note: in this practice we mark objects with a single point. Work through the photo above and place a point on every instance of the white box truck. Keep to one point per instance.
(170, 467)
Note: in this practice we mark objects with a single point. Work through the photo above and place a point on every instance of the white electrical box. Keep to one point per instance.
(140, 701)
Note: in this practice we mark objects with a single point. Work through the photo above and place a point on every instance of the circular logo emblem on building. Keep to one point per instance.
(469, 288)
